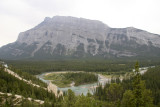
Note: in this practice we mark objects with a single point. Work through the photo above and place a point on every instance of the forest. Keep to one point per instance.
(38, 67)
(65, 79)
(82, 78)
(138, 91)
(123, 93)
(29, 77)
(10, 84)
(153, 83)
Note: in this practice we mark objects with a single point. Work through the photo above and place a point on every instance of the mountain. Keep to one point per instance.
(70, 37)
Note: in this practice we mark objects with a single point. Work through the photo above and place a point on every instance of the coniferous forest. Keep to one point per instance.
(138, 91)
(38, 67)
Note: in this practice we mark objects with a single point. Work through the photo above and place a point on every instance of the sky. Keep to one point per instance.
(20, 15)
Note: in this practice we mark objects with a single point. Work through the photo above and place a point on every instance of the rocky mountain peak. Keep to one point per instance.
(79, 37)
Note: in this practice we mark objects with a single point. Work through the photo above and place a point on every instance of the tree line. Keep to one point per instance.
(81, 78)
(37, 67)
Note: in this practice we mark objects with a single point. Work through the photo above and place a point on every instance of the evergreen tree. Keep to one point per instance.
(139, 96)
(137, 87)
(128, 99)
(70, 99)
(85, 101)
(114, 92)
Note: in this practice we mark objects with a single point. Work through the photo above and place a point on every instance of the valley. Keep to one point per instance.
(67, 61)
(62, 84)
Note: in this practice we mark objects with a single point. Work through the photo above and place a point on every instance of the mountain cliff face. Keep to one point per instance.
(77, 37)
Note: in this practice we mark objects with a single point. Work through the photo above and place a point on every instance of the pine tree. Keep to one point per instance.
(137, 87)
(70, 99)
(139, 96)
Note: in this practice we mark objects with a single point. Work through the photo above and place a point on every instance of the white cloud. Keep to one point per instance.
(19, 15)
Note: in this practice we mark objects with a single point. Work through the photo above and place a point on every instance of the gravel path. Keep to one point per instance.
(20, 97)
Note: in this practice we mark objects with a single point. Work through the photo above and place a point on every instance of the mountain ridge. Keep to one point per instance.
(66, 36)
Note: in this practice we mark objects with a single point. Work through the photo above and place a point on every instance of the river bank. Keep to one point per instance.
(86, 87)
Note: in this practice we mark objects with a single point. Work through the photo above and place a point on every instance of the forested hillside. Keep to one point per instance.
(123, 93)
(29, 77)
(10, 84)
(138, 91)
(153, 83)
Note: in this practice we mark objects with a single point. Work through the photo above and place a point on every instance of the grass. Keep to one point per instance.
(58, 79)
(61, 84)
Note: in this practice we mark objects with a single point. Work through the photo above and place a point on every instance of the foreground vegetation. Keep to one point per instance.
(152, 81)
(65, 79)
(10, 84)
(144, 90)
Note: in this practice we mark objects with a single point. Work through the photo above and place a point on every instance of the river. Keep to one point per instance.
(87, 87)
(81, 88)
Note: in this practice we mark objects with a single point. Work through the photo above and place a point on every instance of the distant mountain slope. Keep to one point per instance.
(63, 36)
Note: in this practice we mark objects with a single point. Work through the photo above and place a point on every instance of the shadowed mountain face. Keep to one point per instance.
(60, 37)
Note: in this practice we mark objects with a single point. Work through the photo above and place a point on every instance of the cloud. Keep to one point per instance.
(19, 15)
(51, 7)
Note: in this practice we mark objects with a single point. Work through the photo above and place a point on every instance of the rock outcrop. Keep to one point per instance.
(53, 88)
